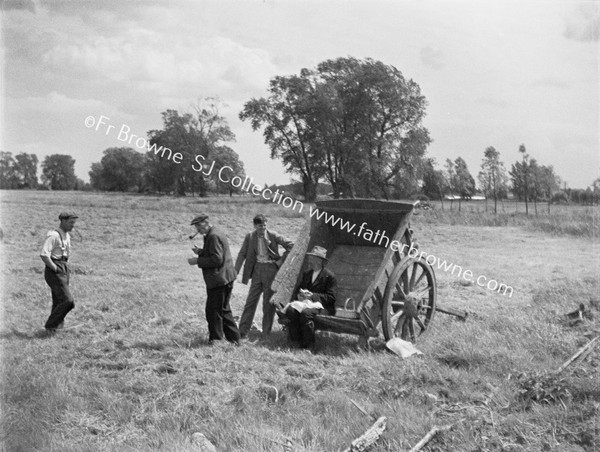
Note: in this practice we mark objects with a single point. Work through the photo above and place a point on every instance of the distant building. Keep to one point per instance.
(457, 198)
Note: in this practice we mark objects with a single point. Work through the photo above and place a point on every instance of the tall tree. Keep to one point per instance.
(435, 185)
(120, 169)
(525, 177)
(26, 168)
(201, 134)
(369, 125)
(58, 172)
(8, 174)
(356, 123)
(493, 177)
(285, 115)
(596, 191)
(451, 180)
(535, 189)
(464, 183)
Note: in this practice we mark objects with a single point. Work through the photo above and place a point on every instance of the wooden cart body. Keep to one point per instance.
(380, 286)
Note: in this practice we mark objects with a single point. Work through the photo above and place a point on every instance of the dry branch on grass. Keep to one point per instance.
(362, 410)
(583, 350)
(369, 437)
(434, 431)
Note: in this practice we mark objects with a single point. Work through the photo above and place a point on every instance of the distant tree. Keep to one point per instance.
(450, 177)
(493, 177)
(8, 174)
(26, 170)
(81, 185)
(201, 134)
(596, 191)
(532, 181)
(434, 185)
(96, 173)
(560, 197)
(548, 181)
(589, 196)
(464, 183)
(535, 183)
(120, 169)
(521, 179)
(58, 172)
(228, 157)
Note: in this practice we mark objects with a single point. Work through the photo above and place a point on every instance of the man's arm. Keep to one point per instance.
(303, 284)
(51, 265)
(241, 257)
(327, 293)
(46, 253)
(286, 244)
(214, 255)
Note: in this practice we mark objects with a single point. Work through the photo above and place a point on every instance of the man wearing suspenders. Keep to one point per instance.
(55, 254)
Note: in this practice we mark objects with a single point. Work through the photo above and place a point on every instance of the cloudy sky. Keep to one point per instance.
(495, 72)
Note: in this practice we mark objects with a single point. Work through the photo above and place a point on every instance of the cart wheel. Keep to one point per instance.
(409, 300)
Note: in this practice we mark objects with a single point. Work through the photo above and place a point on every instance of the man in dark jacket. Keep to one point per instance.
(217, 268)
(260, 251)
(318, 286)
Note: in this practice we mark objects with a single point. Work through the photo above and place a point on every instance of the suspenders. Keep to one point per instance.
(63, 247)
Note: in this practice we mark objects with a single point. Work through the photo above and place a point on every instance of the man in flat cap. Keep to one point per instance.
(260, 251)
(55, 254)
(217, 268)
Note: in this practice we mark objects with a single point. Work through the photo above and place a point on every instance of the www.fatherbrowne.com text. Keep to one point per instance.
(226, 174)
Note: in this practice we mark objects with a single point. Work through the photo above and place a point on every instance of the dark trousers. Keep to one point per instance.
(62, 300)
(262, 278)
(219, 316)
(302, 326)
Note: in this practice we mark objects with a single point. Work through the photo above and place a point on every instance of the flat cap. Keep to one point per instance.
(200, 218)
(67, 216)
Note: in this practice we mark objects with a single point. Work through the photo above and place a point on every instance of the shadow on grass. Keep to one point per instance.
(16, 334)
(327, 344)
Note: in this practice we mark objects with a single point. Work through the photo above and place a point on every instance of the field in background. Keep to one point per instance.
(575, 220)
(132, 371)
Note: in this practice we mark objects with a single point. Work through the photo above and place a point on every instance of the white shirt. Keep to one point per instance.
(262, 252)
(315, 275)
(56, 246)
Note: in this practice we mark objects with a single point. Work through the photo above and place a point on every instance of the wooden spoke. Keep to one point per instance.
(411, 329)
(424, 293)
(401, 292)
(399, 324)
(404, 334)
(396, 305)
(412, 277)
(420, 323)
(423, 275)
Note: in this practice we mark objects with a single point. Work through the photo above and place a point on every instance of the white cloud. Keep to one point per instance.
(58, 104)
(166, 63)
(583, 23)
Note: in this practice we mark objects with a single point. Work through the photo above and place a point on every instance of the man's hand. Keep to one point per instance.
(304, 295)
(196, 250)
(193, 261)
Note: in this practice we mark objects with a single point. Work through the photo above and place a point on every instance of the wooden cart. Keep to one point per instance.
(380, 287)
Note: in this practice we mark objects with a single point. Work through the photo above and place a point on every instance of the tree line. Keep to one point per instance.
(20, 172)
(355, 125)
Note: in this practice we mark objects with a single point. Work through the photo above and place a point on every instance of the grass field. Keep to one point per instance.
(133, 372)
